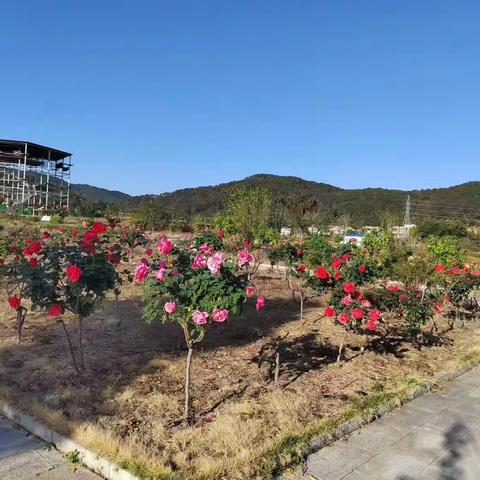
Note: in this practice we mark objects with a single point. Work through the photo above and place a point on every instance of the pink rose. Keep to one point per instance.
(215, 263)
(165, 246)
(170, 307)
(249, 291)
(207, 249)
(375, 315)
(357, 313)
(261, 302)
(219, 315)
(200, 318)
(244, 257)
(199, 262)
(366, 303)
(343, 318)
(346, 300)
(141, 271)
(371, 324)
(160, 276)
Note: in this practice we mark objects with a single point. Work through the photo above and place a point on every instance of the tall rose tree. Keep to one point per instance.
(67, 272)
(195, 287)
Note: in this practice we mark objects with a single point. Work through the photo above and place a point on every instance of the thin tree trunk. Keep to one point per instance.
(301, 306)
(117, 308)
(70, 346)
(277, 366)
(188, 368)
(21, 314)
(340, 350)
(80, 342)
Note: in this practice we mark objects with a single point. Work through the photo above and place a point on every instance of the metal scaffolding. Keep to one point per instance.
(34, 177)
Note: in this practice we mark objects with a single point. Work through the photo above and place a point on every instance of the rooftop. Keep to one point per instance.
(33, 149)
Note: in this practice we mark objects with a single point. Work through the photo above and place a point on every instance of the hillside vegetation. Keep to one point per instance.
(323, 203)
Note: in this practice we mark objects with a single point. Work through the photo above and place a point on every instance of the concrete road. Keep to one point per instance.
(24, 457)
(435, 437)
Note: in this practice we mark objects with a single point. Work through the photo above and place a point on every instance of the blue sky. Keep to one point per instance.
(152, 96)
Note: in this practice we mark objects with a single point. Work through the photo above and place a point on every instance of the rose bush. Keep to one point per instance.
(197, 287)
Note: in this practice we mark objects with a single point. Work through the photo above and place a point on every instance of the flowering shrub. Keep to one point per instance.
(197, 288)
(63, 272)
(456, 285)
(410, 303)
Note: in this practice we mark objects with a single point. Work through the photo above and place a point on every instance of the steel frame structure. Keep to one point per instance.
(34, 176)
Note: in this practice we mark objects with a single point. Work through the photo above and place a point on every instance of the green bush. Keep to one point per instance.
(317, 250)
(444, 250)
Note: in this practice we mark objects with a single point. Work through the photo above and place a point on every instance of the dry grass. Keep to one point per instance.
(127, 404)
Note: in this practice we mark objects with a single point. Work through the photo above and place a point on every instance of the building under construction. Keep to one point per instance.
(33, 178)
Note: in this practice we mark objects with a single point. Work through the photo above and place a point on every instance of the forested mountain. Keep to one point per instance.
(319, 202)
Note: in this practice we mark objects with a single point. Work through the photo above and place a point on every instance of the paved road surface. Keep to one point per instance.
(23, 457)
(436, 437)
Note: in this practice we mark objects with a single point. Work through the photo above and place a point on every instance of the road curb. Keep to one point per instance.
(97, 464)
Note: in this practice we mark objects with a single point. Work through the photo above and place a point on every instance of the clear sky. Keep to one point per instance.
(152, 96)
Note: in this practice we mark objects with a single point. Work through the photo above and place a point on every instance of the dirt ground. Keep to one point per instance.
(128, 403)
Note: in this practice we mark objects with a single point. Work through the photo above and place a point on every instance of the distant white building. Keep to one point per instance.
(285, 231)
(353, 237)
(312, 229)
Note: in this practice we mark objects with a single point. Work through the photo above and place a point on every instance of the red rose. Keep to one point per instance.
(337, 264)
(457, 271)
(32, 262)
(362, 268)
(349, 287)
(74, 273)
(14, 301)
(99, 228)
(220, 234)
(46, 234)
(247, 244)
(393, 288)
(322, 274)
(439, 268)
(301, 268)
(74, 232)
(55, 310)
(337, 276)
(346, 256)
(329, 311)
(34, 247)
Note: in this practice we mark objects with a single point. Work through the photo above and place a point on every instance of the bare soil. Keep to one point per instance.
(128, 402)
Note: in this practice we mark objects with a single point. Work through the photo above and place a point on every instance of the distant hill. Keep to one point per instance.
(321, 201)
(96, 194)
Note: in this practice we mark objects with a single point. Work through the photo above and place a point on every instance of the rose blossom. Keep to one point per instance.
(362, 268)
(74, 273)
(160, 276)
(219, 315)
(347, 300)
(366, 303)
(207, 249)
(249, 291)
(375, 315)
(141, 271)
(165, 246)
(200, 318)
(199, 262)
(261, 302)
(14, 302)
(343, 318)
(170, 307)
(244, 258)
(322, 274)
(357, 313)
(349, 287)
(329, 311)
(55, 310)
(215, 263)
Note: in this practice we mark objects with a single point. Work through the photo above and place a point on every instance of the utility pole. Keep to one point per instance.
(407, 220)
